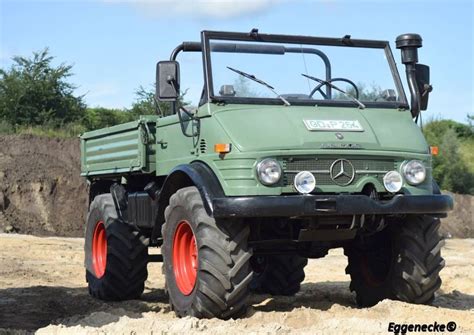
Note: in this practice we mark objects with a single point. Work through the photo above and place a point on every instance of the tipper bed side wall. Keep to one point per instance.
(129, 147)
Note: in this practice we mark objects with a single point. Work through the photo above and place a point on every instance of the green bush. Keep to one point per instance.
(6, 127)
(99, 117)
(451, 168)
(435, 129)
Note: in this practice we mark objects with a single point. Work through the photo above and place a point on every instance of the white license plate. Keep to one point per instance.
(331, 125)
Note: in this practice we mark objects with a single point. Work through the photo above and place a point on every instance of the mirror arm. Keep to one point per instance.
(158, 110)
(427, 88)
(172, 82)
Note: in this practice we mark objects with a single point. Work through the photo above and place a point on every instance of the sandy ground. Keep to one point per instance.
(42, 287)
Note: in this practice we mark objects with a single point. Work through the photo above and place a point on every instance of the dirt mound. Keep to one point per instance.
(460, 222)
(41, 191)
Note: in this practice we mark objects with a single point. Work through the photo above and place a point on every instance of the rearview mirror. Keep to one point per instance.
(423, 82)
(167, 80)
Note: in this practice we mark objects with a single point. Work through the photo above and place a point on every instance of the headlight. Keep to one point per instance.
(414, 172)
(305, 182)
(268, 171)
(393, 181)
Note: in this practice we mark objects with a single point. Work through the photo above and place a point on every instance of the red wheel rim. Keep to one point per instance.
(99, 249)
(185, 257)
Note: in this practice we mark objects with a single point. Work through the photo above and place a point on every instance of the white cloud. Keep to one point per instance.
(215, 9)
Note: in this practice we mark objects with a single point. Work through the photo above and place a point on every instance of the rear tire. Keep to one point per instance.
(116, 255)
(205, 261)
(278, 274)
(402, 262)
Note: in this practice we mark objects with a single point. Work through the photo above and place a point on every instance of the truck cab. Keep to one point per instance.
(296, 145)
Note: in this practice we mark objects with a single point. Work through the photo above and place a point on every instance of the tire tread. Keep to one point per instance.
(127, 256)
(224, 271)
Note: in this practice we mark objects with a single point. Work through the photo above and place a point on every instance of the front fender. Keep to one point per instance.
(194, 174)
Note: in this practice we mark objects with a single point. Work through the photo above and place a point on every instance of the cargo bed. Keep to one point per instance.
(125, 148)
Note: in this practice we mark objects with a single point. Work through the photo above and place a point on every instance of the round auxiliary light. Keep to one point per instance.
(268, 171)
(305, 182)
(393, 181)
(414, 172)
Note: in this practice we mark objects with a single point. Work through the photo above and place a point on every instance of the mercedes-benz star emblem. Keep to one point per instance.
(342, 168)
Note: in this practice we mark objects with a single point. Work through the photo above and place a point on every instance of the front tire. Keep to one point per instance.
(402, 262)
(116, 255)
(206, 261)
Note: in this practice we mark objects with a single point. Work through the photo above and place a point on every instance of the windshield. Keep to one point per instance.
(360, 72)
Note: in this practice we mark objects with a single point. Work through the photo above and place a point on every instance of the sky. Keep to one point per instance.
(114, 44)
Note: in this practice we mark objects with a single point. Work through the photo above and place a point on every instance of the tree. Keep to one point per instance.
(365, 94)
(34, 92)
(146, 104)
(99, 117)
(470, 122)
(242, 88)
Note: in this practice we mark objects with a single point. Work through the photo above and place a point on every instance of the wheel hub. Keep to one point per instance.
(99, 249)
(185, 257)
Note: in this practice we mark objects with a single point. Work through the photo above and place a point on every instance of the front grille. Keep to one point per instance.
(320, 168)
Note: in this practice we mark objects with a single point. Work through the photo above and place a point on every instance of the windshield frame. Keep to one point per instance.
(347, 42)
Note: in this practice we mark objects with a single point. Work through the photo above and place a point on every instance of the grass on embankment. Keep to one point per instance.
(66, 131)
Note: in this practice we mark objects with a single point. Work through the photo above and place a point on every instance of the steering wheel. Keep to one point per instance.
(319, 86)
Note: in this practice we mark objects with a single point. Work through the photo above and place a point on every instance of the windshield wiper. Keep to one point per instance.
(361, 105)
(261, 82)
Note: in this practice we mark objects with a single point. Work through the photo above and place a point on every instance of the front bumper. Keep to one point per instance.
(323, 205)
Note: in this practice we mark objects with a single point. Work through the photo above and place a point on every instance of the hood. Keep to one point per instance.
(265, 128)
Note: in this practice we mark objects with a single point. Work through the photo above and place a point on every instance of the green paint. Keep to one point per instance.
(258, 132)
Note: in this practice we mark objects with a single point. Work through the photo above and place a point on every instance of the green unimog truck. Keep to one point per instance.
(296, 145)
